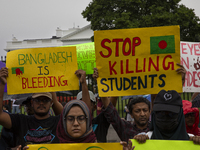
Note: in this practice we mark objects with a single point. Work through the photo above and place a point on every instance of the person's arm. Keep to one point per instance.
(95, 75)
(194, 95)
(5, 119)
(56, 105)
(85, 93)
(181, 71)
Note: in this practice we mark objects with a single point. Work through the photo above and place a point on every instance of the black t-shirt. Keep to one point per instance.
(29, 130)
(102, 128)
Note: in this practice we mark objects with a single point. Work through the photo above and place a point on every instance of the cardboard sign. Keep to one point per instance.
(165, 145)
(138, 61)
(190, 53)
(42, 70)
(85, 57)
(77, 146)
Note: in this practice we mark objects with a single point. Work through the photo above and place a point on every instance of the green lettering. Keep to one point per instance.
(21, 60)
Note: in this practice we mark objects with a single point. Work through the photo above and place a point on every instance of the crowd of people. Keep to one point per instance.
(171, 118)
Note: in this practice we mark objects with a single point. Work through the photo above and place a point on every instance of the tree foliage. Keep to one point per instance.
(123, 14)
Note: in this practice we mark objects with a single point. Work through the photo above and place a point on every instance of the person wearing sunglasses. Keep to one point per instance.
(191, 118)
(75, 124)
(168, 120)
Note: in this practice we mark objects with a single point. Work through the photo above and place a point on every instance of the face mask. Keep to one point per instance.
(167, 122)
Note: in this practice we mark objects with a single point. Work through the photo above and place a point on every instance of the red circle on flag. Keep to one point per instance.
(162, 44)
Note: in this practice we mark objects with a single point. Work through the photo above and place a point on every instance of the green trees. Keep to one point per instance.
(121, 14)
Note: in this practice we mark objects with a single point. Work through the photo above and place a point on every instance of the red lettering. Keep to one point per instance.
(42, 82)
(136, 42)
(184, 62)
(144, 64)
(127, 40)
(39, 82)
(152, 63)
(122, 69)
(56, 81)
(106, 47)
(45, 79)
(137, 66)
(111, 68)
(127, 66)
(191, 79)
(50, 77)
(33, 82)
(196, 50)
(183, 49)
(194, 79)
(117, 46)
(24, 81)
(190, 48)
(169, 63)
(28, 84)
(64, 81)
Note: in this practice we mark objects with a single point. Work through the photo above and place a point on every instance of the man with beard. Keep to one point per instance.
(40, 127)
(33, 129)
(139, 109)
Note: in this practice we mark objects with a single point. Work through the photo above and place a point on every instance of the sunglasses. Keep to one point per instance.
(80, 119)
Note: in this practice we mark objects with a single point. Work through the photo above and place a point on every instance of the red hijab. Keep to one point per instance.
(61, 131)
(187, 108)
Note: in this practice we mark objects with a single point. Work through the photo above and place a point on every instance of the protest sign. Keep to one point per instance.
(190, 53)
(77, 146)
(165, 145)
(42, 70)
(85, 57)
(138, 61)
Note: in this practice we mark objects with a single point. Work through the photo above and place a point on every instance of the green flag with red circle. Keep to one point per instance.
(162, 44)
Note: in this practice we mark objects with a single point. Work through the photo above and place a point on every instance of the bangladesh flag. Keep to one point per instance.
(162, 44)
(17, 70)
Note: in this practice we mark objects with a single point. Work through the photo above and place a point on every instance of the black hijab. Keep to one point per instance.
(179, 133)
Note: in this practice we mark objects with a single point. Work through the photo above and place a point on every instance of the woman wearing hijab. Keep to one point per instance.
(75, 124)
(168, 122)
(191, 118)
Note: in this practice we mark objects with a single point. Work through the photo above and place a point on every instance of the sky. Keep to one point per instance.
(36, 19)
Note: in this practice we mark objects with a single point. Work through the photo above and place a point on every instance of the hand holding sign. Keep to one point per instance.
(3, 75)
(81, 75)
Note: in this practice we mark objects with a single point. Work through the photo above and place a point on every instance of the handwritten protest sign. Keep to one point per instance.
(77, 146)
(138, 61)
(86, 57)
(42, 70)
(165, 145)
(190, 53)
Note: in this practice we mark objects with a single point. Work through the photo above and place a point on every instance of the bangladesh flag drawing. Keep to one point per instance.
(162, 44)
(17, 70)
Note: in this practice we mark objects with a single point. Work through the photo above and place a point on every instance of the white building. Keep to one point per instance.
(63, 37)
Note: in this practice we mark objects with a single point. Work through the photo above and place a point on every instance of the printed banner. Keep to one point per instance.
(190, 53)
(86, 57)
(165, 145)
(42, 70)
(77, 146)
(138, 61)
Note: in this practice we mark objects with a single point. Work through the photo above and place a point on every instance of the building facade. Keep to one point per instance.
(71, 36)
